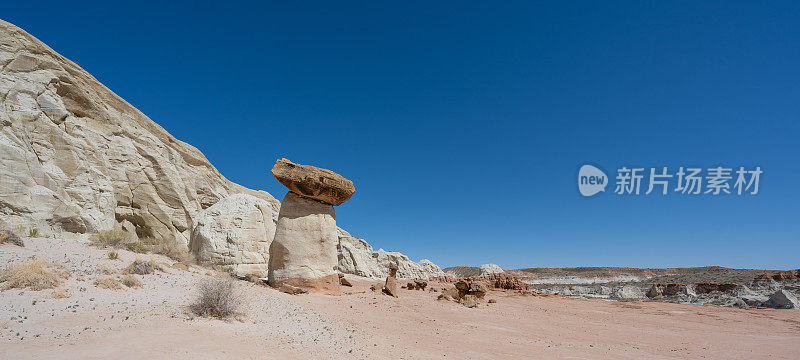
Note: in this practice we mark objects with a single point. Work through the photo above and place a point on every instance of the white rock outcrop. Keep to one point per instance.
(235, 234)
(75, 157)
(357, 257)
(487, 269)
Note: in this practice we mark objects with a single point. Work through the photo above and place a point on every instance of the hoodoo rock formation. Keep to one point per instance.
(390, 287)
(303, 253)
(76, 159)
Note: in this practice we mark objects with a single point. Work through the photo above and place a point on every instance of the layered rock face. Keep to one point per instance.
(235, 234)
(303, 253)
(357, 257)
(780, 275)
(75, 157)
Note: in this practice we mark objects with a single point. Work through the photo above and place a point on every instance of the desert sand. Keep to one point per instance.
(152, 321)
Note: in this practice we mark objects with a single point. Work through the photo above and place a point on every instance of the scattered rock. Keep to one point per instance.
(7, 236)
(313, 182)
(470, 301)
(502, 280)
(292, 290)
(783, 299)
(467, 293)
(343, 281)
(475, 288)
(420, 284)
(449, 294)
(416, 285)
(492, 301)
(376, 287)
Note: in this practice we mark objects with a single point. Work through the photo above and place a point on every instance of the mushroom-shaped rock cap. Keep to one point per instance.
(313, 182)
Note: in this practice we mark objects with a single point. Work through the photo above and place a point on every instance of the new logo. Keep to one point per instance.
(591, 180)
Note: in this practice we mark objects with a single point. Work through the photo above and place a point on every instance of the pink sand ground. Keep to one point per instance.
(152, 322)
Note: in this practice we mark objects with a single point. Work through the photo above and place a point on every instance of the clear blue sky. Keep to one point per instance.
(463, 124)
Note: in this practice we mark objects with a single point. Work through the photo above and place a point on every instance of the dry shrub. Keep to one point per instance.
(179, 266)
(131, 281)
(113, 255)
(106, 270)
(36, 274)
(10, 237)
(110, 283)
(143, 267)
(217, 299)
(61, 293)
(116, 238)
(138, 247)
(175, 250)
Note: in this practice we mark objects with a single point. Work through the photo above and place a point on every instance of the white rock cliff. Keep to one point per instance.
(76, 157)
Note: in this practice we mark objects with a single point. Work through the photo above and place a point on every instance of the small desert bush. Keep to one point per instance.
(143, 267)
(34, 232)
(10, 237)
(217, 299)
(115, 238)
(106, 270)
(138, 247)
(36, 274)
(110, 283)
(113, 255)
(174, 250)
(131, 281)
(61, 293)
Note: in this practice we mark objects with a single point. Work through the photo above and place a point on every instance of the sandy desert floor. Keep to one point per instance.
(152, 322)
